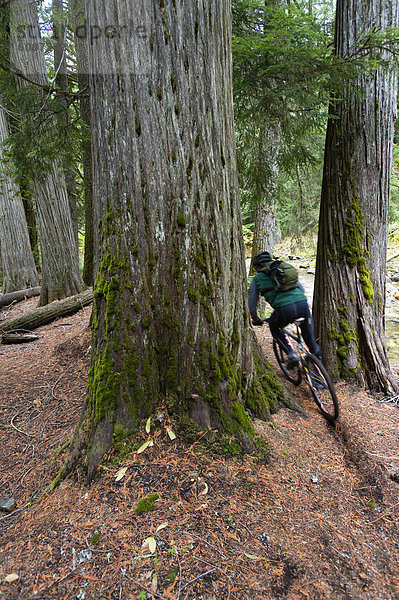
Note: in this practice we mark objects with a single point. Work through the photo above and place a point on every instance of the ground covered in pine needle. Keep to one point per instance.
(318, 519)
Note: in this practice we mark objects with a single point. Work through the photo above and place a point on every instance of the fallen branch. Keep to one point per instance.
(47, 314)
(17, 338)
(17, 429)
(18, 296)
(382, 456)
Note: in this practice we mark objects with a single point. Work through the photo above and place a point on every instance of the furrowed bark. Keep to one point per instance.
(349, 303)
(18, 265)
(170, 320)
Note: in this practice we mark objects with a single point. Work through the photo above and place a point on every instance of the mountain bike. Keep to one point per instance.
(310, 369)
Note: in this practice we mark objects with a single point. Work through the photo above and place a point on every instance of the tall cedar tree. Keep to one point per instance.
(349, 300)
(18, 265)
(77, 18)
(170, 318)
(59, 252)
(59, 21)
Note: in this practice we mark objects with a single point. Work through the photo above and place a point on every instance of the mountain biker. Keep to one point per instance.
(288, 306)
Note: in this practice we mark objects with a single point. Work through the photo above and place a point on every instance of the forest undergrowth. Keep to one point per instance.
(317, 519)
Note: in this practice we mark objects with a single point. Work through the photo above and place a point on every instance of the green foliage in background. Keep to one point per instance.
(285, 74)
(39, 133)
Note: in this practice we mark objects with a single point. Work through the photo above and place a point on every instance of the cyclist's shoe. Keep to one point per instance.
(292, 360)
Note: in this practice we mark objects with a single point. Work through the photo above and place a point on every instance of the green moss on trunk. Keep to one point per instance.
(354, 250)
(344, 336)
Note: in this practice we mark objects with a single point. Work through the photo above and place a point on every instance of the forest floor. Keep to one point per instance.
(317, 520)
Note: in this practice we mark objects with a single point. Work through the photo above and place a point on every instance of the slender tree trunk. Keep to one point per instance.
(61, 81)
(18, 265)
(170, 319)
(29, 208)
(89, 248)
(267, 181)
(77, 12)
(266, 202)
(59, 252)
(349, 303)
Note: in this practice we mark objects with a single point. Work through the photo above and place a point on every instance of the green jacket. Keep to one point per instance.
(265, 286)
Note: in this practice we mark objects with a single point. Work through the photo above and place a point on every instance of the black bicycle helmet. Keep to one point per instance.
(260, 259)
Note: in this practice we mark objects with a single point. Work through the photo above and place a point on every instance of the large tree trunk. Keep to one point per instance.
(18, 265)
(349, 300)
(170, 318)
(59, 252)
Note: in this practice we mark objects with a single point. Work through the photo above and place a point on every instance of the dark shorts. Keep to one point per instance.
(283, 315)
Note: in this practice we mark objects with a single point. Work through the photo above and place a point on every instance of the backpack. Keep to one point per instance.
(284, 275)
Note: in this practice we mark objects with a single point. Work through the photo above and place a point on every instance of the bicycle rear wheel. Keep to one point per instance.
(294, 374)
(321, 387)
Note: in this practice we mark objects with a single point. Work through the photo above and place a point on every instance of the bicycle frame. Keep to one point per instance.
(302, 350)
(302, 347)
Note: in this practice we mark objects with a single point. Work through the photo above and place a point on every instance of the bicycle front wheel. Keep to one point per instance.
(292, 374)
(321, 387)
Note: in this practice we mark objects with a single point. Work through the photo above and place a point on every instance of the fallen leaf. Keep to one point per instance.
(11, 578)
(120, 474)
(252, 556)
(161, 526)
(154, 582)
(205, 490)
(150, 543)
(148, 425)
(146, 444)
(170, 433)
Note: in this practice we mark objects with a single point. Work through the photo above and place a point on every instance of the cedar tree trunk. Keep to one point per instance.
(59, 252)
(266, 193)
(349, 303)
(170, 318)
(18, 265)
(59, 17)
(77, 14)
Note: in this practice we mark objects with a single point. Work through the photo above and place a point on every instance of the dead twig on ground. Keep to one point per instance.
(381, 456)
(17, 429)
(197, 578)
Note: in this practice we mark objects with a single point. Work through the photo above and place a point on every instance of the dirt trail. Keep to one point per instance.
(319, 521)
